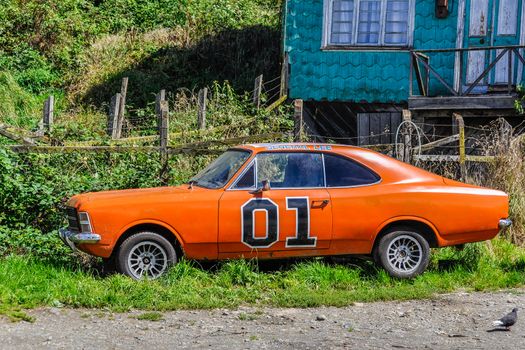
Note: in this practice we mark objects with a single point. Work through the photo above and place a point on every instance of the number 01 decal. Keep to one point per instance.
(301, 206)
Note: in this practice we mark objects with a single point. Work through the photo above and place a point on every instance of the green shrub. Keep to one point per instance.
(31, 242)
(519, 104)
(34, 185)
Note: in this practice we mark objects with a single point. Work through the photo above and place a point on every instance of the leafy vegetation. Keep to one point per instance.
(519, 104)
(71, 47)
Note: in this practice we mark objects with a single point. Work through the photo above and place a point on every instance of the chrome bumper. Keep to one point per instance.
(73, 238)
(504, 224)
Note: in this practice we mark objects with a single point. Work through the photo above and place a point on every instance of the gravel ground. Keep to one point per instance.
(450, 321)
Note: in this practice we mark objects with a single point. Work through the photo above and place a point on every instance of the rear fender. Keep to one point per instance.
(393, 220)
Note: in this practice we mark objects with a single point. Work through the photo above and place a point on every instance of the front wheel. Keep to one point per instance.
(403, 254)
(145, 255)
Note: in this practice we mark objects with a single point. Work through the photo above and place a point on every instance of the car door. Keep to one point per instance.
(291, 218)
(356, 203)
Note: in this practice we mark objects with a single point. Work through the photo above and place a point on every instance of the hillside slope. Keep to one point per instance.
(78, 49)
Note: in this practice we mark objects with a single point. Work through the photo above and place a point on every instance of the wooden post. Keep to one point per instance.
(411, 75)
(298, 119)
(114, 109)
(505, 135)
(201, 117)
(161, 96)
(122, 107)
(164, 140)
(460, 124)
(407, 153)
(47, 117)
(257, 91)
(284, 76)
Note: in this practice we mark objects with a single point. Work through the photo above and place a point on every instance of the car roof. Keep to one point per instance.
(390, 169)
(283, 146)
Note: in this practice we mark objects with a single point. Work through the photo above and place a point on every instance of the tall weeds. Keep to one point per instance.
(507, 173)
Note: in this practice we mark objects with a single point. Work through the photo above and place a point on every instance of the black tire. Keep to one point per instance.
(148, 252)
(403, 254)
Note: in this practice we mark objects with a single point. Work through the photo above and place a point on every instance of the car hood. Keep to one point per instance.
(131, 195)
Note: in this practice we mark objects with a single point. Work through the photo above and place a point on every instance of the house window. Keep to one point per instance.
(369, 22)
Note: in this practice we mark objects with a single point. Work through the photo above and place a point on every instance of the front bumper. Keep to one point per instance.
(72, 239)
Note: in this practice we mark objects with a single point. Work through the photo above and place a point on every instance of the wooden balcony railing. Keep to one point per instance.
(421, 69)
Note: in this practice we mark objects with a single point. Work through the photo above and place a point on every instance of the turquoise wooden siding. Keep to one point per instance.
(371, 76)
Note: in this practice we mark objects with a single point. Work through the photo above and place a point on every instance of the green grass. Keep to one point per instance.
(150, 316)
(28, 283)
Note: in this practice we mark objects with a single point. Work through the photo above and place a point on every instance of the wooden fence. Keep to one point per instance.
(41, 141)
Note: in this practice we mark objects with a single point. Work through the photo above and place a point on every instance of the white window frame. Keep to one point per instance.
(327, 27)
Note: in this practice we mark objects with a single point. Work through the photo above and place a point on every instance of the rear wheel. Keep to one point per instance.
(145, 255)
(403, 254)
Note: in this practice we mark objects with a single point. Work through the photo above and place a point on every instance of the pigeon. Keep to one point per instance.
(508, 320)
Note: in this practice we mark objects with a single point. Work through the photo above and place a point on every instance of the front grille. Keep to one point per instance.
(72, 219)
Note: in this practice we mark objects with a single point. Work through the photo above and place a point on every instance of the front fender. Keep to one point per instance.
(150, 222)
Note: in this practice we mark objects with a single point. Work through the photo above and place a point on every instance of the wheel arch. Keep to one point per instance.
(422, 226)
(153, 226)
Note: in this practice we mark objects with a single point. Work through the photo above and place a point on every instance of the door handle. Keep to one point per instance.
(320, 204)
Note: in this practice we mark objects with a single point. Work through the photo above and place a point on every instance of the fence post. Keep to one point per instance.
(114, 109)
(201, 116)
(284, 76)
(164, 140)
(298, 120)
(460, 124)
(257, 91)
(505, 134)
(407, 152)
(122, 106)
(47, 116)
(159, 97)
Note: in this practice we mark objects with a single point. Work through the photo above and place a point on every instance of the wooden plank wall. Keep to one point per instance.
(377, 128)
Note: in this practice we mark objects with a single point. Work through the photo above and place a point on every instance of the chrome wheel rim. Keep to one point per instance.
(404, 254)
(147, 260)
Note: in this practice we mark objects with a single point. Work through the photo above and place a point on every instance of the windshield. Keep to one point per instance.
(221, 170)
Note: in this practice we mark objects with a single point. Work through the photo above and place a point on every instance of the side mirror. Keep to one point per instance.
(265, 187)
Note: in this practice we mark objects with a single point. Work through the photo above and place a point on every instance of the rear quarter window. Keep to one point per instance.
(344, 172)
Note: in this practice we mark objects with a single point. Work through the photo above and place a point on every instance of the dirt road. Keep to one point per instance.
(452, 321)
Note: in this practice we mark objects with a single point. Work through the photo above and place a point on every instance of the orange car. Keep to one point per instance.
(287, 200)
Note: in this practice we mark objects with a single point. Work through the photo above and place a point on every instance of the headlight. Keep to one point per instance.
(85, 222)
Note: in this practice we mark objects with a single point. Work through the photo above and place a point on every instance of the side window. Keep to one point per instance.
(342, 172)
(247, 180)
(290, 170)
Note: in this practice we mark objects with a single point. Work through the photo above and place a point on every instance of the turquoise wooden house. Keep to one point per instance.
(357, 64)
